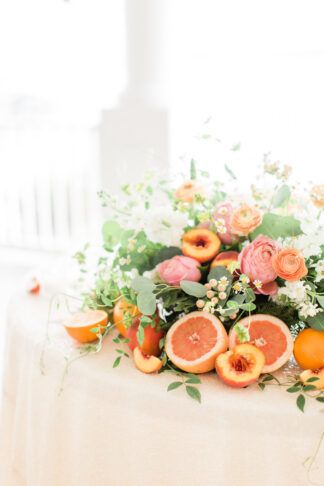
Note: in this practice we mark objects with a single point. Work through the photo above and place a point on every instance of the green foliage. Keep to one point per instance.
(276, 226)
(193, 288)
(142, 284)
(139, 255)
(111, 232)
(281, 197)
(316, 322)
(193, 170)
(165, 254)
(230, 172)
(242, 333)
(146, 302)
(218, 272)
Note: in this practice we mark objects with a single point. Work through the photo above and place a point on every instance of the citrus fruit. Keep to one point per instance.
(269, 334)
(79, 325)
(240, 366)
(122, 311)
(194, 342)
(152, 336)
(309, 349)
(201, 244)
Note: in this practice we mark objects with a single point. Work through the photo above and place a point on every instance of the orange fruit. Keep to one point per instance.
(121, 308)
(309, 349)
(201, 244)
(194, 342)
(79, 325)
(152, 336)
(270, 335)
(224, 259)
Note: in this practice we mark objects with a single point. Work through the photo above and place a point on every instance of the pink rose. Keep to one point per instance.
(222, 217)
(179, 268)
(255, 260)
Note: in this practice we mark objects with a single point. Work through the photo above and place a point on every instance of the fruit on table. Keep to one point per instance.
(240, 366)
(152, 336)
(224, 259)
(194, 341)
(269, 334)
(123, 309)
(307, 374)
(201, 244)
(79, 325)
(146, 363)
(309, 349)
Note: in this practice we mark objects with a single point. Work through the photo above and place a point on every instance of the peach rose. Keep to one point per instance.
(245, 219)
(289, 264)
(317, 196)
(188, 190)
(223, 213)
(256, 260)
(179, 268)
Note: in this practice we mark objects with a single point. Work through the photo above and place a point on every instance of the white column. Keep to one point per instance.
(134, 135)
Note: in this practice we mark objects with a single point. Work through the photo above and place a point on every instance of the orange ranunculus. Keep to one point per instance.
(289, 264)
(188, 190)
(245, 219)
(317, 196)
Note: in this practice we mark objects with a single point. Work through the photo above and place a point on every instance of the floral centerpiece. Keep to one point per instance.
(197, 278)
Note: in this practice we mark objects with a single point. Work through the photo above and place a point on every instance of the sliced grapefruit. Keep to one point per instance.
(270, 335)
(194, 342)
(79, 325)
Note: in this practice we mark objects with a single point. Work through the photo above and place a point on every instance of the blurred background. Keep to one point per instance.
(94, 92)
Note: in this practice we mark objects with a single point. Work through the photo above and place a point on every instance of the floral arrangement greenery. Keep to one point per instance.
(173, 251)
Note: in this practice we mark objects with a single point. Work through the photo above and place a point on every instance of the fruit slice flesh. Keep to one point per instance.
(79, 325)
(146, 363)
(240, 366)
(195, 340)
(319, 374)
(271, 336)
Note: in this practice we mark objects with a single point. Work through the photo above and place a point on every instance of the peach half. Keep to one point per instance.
(307, 374)
(146, 363)
(240, 366)
(224, 259)
(201, 244)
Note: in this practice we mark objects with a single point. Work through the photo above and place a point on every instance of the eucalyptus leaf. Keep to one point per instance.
(140, 335)
(165, 254)
(249, 306)
(249, 295)
(146, 303)
(218, 272)
(316, 322)
(281, 196)
(193, 288)
(276, 226)
(142, 284)
(111, 232)
(320, 300)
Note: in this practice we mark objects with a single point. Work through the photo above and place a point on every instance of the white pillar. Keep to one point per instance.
(134, 135)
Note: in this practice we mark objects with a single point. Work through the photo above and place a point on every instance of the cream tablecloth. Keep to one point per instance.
(119, 427)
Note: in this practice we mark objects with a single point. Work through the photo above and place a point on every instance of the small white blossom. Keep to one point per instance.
(307, 309)
(200, 303)
(221, 288)
(319, 269)
(212, 283)
(210, 294)
(257, 284)
(222, 295)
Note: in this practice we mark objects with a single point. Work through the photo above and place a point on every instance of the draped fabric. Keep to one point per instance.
(119, 427)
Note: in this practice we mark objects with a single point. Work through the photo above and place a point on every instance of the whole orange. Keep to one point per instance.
(121, 308)
(309, 349)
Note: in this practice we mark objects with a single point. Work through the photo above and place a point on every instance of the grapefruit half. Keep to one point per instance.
(270, 335)
(194, 342)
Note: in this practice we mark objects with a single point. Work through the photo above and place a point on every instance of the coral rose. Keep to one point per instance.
(245, 219)
(179, 268)
(188, 190)
(256, 261)
(317, 196)
(289, 264)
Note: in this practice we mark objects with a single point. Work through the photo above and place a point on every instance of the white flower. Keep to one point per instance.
(162, 225)
(319, 269)
(307, 309)
(296, 291)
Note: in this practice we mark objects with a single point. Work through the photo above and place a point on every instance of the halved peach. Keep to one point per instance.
(146, 363)
(240, 366)
(33, 286)
(305, 375)
(201, 244)
(224, 259)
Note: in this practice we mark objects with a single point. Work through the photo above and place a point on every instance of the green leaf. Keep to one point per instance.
(261, 386)
(111, 232)
(312, 378)
(116, 362)
(140, 335)
(276, 226)
(193, 288)
(293, 389)
(320, 399)
(230, 172)
(232, 304)
(194, 380)
(193, 171)
(249, 295)
(309, 388)
(320, 300)
(268, 378)
(95, 330)
(193, 392)
(146, 303)
(316, 322)
(249, 306)
(165, 254)
(142, 284)
(236, 147)
(300, 402)
(218, 272)
(174, 385)
(238, 298)
(242, 332)
(281, 197)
